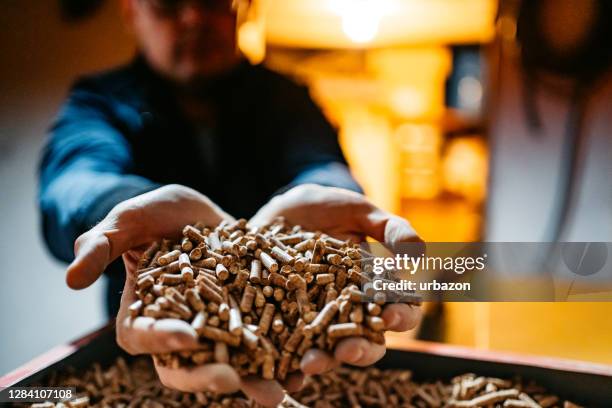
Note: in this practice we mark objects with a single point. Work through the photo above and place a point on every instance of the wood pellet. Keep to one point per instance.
(268, 293)
(135, 384)
(132, 385)
(373, 387)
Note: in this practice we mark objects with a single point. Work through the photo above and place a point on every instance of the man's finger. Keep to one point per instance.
(358, 351)
(294, 382)
(317, 361)
(401, 317)
(146, 335)
(218, 378)
(268, 393)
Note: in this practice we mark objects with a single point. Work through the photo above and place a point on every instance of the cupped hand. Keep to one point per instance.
(134, 223)
(347, 215)
(126, 231)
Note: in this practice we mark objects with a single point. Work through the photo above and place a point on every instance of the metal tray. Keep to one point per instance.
(589, 384)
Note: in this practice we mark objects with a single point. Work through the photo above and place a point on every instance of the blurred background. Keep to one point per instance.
(479, 120)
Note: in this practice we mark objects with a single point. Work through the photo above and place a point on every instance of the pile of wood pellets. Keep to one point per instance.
(258, 298)
(136, 385)
(129, 386)
(372, 387)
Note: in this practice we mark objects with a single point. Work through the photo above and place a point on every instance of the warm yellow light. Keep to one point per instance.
(366, 139)
(360, 18)
(408, 102)
(251, 41)
(378, 23)
(465, 168)
(412, 79)
(359, 26)
(251, 29)
(419, 149)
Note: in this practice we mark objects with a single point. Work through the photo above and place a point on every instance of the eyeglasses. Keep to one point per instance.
(173, 7)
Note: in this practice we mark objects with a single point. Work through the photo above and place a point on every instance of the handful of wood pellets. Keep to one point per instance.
(258, 298)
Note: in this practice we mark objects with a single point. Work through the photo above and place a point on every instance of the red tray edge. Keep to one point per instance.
(51, 357)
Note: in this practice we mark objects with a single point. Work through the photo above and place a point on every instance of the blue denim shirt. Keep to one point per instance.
(120, 134)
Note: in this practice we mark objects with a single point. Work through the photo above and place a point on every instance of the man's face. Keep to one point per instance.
(185, 39)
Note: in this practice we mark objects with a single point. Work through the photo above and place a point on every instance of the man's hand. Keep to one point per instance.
(126, 231)
(345, 214)
(134, 223)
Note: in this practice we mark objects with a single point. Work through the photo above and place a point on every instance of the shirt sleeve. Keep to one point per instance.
(84, 170)
(312, 152)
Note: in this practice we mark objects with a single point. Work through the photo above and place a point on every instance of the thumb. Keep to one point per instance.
(398, 230)
(92, 252)
(391, 230)
(386, 227)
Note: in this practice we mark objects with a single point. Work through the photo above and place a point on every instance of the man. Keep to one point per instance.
(188, 132)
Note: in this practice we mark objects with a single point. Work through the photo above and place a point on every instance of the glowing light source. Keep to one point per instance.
(360, 18)
(337, 24)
